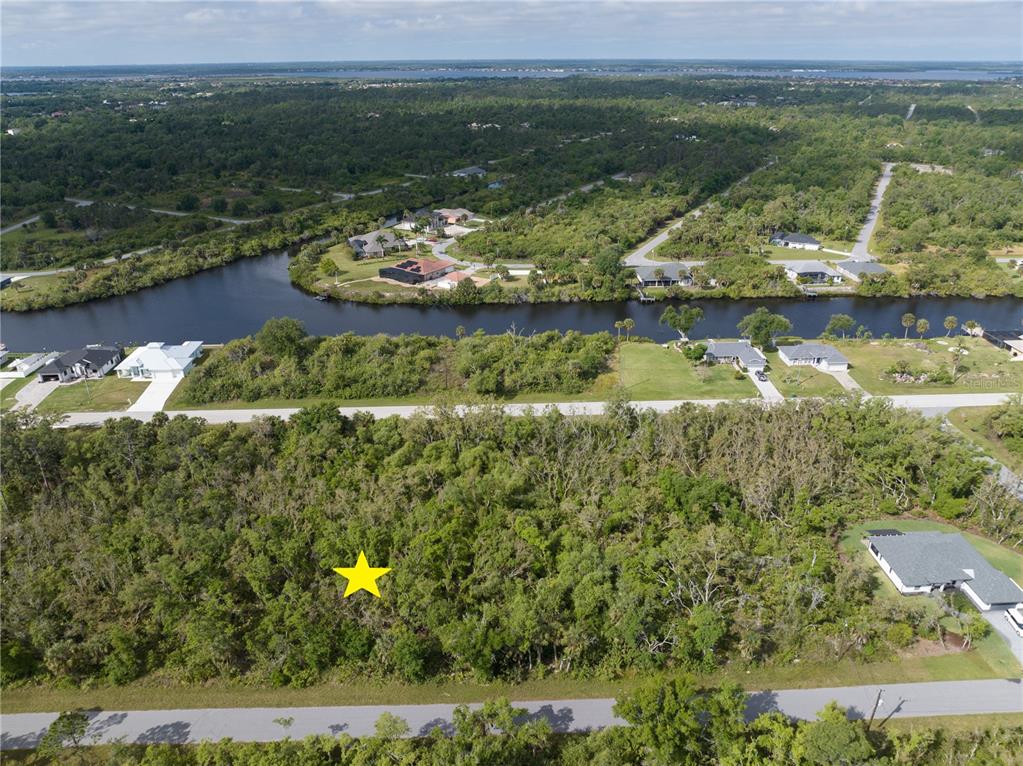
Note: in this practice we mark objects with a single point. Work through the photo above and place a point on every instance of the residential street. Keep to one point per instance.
(23, 730)
(859, 251)
(930, 404)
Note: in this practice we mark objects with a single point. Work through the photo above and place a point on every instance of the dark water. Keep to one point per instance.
(235, 300)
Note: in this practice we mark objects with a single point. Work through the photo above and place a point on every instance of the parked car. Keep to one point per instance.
(1014, 617)
(761, 376)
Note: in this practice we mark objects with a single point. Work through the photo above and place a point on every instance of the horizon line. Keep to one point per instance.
(1009, 62)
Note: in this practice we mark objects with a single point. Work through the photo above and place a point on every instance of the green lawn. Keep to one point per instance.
(106, 395)
(12, 387)
(37, 232)
(650, 372)
(970, 421)
(800, 381)
(984, 367)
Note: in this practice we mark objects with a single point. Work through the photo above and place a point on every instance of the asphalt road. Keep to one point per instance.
(23, 730)
(931, 404)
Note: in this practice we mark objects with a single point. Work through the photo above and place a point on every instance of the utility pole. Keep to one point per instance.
(877, 703)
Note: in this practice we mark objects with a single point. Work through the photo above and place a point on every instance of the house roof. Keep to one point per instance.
(456, 276)
(794, 236)
(161, 356)
(369, 239)
(421, 265)
(813, 351)
(739, 349)
(930, 558)
(811, 267)
(456, 212)
(94, 356)
(472, 170)
(671, 271)
(862, 267)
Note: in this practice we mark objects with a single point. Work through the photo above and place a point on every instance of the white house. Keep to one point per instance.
(450, 281)
(812, 272)
(160, 361)
(924, 562)
(29, 364)
(740, 353)
(819, 355)
(795, 239)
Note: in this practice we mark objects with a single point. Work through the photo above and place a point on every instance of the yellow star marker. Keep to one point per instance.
(362, 576)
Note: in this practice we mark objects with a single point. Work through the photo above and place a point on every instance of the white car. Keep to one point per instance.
(1014, 617)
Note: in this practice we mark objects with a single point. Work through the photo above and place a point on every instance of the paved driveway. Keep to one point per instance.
(766, 388)
(33, 393)
(155, 396)
(845, 380)
(859, 251)
(996, 617)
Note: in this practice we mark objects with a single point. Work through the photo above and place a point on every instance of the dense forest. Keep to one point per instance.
(282, 361)
(671, 723)
(520, 546)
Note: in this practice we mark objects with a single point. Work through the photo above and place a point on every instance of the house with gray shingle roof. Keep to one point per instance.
(812, 272)
(663, 275)
(376, 244)
(795, 239)
(819, 355)
(858, 269)
(739, 352)
(925, 562)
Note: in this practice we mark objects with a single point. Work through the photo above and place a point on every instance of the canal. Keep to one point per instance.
(233, 301)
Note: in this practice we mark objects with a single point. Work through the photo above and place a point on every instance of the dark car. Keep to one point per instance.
(761, 376)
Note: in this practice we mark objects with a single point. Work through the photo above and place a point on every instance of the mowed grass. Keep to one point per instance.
(984, 368)
(648, 371)
(11, 388)
(802, 380)
(352, 269)
(971, 422)
(109, 394)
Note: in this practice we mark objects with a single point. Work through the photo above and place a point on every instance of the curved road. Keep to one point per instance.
(23, 730)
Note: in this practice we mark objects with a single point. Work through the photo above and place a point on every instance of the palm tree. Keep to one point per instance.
(922, 326)
(618, 326)
(908, 320)
(970, 326)
(629, 325)
(951, 322)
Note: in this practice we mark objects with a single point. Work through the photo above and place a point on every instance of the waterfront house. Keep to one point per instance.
(88, 362)
(415, 271)
(663, 275)
(858, 269)
(160, 361)
(794, 239)
(926, 562)
(740, 353)
(29, 364)
(376, 244)
(812, 272)
(1010, 340)
(820, 355)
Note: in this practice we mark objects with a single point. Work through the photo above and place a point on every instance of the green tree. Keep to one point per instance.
(281, 337)
(833, 740)
(67, 730)
(922, 326)
(681, 319)
(762, 327)
(329, 268)
(839, 323)
(188, 202)
(628, 325)
(666, 716)
(908, 320)
(950, 323)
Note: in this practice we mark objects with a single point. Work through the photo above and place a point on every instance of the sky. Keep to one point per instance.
(97, 32)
